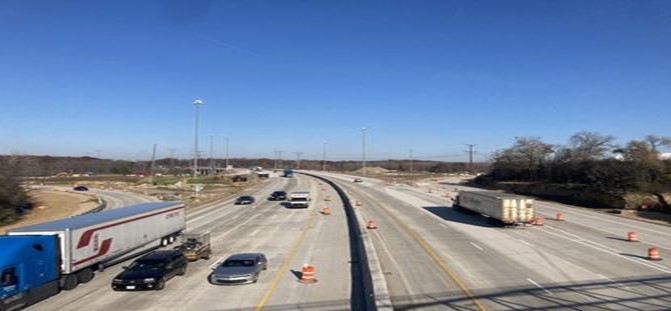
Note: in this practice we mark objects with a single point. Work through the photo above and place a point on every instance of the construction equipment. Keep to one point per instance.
(195, 246)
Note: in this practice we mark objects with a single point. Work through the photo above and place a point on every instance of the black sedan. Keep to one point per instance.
(278, 196)
(151, 271)
(245, 199)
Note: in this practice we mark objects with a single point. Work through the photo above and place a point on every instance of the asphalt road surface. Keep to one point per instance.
(290, 238)
(433, 257)
(423, 255)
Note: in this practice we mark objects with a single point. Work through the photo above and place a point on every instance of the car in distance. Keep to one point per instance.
(278, 196)
(80, 188)
(151, 271)
(358, 180)
(239, 269)
(245, 199)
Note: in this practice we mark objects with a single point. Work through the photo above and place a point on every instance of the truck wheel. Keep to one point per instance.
(171, 239)
(69, 282)
(164, 242)
(85, 275)
(182, 271)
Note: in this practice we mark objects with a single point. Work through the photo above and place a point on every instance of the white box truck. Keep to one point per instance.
(504, 208)
(299, 199)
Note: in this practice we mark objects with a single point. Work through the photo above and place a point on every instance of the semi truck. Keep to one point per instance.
(502, 208)
(288, 173)
(38, 261)
(299, 199)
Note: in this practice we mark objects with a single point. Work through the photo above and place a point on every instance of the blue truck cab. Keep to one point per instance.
(29, 269)
(288, 172)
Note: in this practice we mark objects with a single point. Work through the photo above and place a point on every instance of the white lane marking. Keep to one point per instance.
(539, 286)
(609, 279)
(476, 246)
(605, 249)
(254, 232)
(442, 225)
(525, 242)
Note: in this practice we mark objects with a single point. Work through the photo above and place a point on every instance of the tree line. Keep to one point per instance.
(590, 159)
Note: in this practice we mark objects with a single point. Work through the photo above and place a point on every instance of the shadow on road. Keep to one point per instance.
(464, 217)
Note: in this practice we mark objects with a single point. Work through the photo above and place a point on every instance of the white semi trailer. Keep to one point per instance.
(88, 242)
(504, 208)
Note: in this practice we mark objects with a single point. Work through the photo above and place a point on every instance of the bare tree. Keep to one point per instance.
(657, 141)
(590, 146)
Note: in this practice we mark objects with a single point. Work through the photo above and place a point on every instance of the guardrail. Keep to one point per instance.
(362, 296)
(101, 206)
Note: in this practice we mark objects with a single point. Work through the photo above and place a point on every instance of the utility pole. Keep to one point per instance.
(324, 158)
(172, 157)
(211, 155)
(279, 157)
(298, 159)
(196, 103)
(363, 150)
(410, 160)
(470, 156)
(226, 152)
(153, 165)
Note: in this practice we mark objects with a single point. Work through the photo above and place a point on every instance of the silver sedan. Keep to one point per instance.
(239, 269)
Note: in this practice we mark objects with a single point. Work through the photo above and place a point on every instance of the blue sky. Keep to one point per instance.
(112, 78)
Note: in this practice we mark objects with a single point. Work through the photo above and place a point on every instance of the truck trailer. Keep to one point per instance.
(38, 261)
(503, 208)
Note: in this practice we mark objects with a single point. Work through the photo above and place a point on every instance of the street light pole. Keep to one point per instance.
(196, 103)
(363, 150)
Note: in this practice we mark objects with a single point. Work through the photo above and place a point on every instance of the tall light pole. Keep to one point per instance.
(196, 103)
(410, 160)
(363, 150)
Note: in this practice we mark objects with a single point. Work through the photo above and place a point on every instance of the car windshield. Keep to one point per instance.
(146, 265)
(238, 263)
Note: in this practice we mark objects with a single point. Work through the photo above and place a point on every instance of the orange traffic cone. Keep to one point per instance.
(326, 210)
(307, 274)
(653, 254)
(632, 236)
(538, 222)
(559, 217)
(371, 224)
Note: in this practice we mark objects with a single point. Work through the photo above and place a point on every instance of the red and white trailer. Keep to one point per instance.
(90, 241)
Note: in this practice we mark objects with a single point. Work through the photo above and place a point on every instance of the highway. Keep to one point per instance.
(423, 255)
(290, 238)
(436, 258)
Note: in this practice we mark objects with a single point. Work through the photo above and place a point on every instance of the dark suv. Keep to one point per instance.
(278, 195)
(151, 271)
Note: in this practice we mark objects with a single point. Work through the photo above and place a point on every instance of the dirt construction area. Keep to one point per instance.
(52, 205)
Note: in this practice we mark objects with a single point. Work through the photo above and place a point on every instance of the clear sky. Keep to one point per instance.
(112, 78)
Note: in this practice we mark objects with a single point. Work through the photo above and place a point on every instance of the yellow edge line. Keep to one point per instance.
(286, 263)
(453, 276)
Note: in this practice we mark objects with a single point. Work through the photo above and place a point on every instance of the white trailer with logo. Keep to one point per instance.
(88, 242)
(504, 208)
